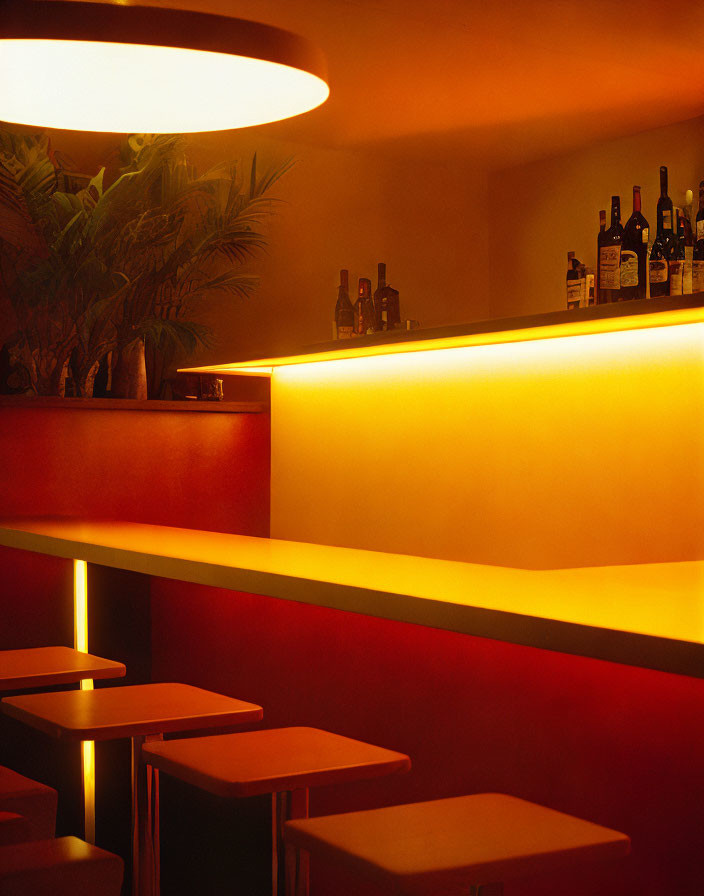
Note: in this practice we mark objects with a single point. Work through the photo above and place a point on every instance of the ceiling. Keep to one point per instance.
(498, 82)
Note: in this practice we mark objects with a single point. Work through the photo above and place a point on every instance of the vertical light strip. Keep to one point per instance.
(80, 642)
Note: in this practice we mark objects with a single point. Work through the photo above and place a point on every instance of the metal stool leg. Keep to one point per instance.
(297, 861)
(289, 866)
(145, 822)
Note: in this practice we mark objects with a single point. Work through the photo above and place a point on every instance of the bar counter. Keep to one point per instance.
(649, 615)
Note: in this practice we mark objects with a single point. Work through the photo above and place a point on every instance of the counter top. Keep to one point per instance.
(33, 402)
(649, 615)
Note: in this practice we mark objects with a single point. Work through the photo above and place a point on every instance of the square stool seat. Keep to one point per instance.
(130, 711)
(34, 801)
(66, 866)
(38, 667)
(446, 846)
(271, 760)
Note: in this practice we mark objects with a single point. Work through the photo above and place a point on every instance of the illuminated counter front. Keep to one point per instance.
(648, 615)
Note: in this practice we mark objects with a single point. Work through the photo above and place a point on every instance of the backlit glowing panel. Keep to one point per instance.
(80, 621)
(562, 452)
(132, 88)
(80, 605)
(265, 366)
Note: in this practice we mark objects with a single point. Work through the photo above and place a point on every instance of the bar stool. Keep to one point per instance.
(29, 799)
(139, 712)
(284, 762)
(63, 867)
(40, 667)
(445, 846)
(43, 667)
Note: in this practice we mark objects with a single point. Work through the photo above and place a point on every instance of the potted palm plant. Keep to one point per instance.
(114, 270)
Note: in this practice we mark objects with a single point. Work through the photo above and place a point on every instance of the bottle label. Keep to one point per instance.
(687, 277)
(644, 234)
(629, 269)
(345, 332)
(700, 230)
(676, 267)
(658, 271)
(574, 293)
(698, 276)
(667, 219)
(610, 267)
(689, 253)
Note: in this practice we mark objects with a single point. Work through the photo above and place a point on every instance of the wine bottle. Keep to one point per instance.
(634, 252)
(676, 262)
(661, 251)
(698, 255)
(688, 262)
(386, 306)
(574, 289)
(344, 309)
(610, 256)
(666, 213)
(599, 241)
(364, 308)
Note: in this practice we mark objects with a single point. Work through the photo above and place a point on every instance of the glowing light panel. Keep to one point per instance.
(80, 637)
(266, 366)
(133, 88)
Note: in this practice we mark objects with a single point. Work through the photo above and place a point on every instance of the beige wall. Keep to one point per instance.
(538, 212)
(354, 209)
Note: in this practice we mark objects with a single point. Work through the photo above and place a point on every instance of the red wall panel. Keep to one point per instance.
(197, 470)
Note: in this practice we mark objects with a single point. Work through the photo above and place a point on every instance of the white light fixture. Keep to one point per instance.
(140, 69)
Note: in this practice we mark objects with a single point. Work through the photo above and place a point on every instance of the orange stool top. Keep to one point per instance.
(269, 761)
(130, 711)
(34, 801)
(62, 867)
(39, 667)
(447, 845)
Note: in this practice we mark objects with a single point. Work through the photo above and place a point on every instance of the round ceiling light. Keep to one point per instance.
(139, 69)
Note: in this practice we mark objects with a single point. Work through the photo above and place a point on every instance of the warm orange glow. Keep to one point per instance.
(132, 88)
(265, 366)
(80, 621)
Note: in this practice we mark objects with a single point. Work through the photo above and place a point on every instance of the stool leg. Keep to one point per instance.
(146, 858)
(139, 815)
(297, 861)
(278, 816)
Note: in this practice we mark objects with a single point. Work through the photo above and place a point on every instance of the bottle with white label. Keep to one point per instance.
(574, 288)
(698, 255)
(661, 252)
(610, 256)
(688, 244)
(599, 241)
(677, 257)
(634, 252)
